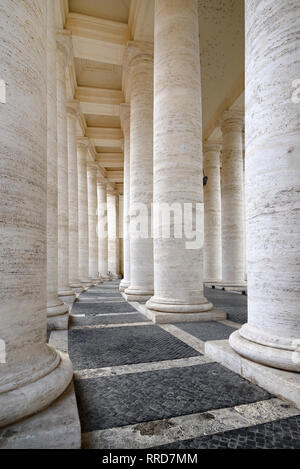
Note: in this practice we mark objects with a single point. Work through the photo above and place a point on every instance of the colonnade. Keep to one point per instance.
(49, 180)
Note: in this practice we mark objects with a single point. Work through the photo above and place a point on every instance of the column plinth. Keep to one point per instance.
(57, 311)
(125, 122)
(64, 48)
(140, 65)
(33, 374)
(178, 270)
(272, 334)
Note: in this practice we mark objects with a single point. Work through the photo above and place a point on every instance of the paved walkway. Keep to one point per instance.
(140, 385)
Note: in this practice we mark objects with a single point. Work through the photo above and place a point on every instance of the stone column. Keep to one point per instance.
(271, 336)
(83, 217)
(233, 260)
(63, 58)
(33, 374)
(72, 116)
(113, 233)
(125, 122)
(178, 173)
(102, 228)
(57, 311)
(212, 214)
(140, 63)
(93, 222)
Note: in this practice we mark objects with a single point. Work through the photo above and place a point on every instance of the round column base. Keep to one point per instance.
(164, 306)
(279, 356)
(57, 310)
(138, 294)
(124, 285)
(35, 396)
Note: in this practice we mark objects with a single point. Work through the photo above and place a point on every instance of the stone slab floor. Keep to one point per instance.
(140, 385)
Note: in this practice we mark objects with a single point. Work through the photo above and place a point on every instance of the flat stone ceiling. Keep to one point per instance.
(114, 10)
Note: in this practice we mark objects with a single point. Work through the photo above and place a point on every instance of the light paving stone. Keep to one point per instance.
(140, 367)
(150, 434)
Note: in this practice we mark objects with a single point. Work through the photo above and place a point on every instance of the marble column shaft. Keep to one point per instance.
(83, 217)
(212, 214)
(233, 245)
(63, 58)
(93, 221)
(140, 63)
(272, 334)
(178, 174)
(33, 374)
(102, 229)
(72, 116)
(56, 309)
(125, 122)
(113, 233)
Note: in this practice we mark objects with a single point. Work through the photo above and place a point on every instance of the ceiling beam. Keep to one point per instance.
(98, 39)
(111, 160)
(98, 101)
(115, 176)
(103, 137)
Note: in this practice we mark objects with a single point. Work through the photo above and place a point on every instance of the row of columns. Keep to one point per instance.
(174, 273)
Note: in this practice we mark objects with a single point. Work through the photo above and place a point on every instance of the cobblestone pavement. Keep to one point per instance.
(136, 381)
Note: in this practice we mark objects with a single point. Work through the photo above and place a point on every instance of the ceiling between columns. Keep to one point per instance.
(100, 31)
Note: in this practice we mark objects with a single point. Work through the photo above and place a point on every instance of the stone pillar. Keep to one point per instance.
(83, 217)
(271, 336)
(140, 63)
(33, 374)
(57, 311)
(72, 115)
(93, 222)
(125, 122)
(233, 260)
(63, 57)
(113, 233)
(212, 214)
(102, 228)
(178, 173)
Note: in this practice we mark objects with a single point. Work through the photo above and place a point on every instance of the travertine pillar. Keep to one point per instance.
(33, 374)
(178, 174)
(233, 260)
(140, 63)
(72, 116)
(93, 222)
(212, 214)
(83, 217)
(63, 56)
(125, 122)
(57, 311)
(113, 233)
(102, 228)
(272, 333)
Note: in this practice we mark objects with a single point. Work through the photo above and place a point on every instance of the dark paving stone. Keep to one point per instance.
(281, 434)
(97, 348)
(235, 305)
(101, 308)
(207, 330)
(118, 319)
(134, 398)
